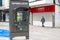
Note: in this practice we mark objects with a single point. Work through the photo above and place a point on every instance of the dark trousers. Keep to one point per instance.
(42, 24)
(4, 18)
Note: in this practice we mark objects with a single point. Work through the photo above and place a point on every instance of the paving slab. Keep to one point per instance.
(44, 33)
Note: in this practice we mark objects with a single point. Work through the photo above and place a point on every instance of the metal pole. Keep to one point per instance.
(53, 16)
(53, 20)
(2, 16)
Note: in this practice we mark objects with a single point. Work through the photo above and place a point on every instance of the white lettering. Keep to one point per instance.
(41, 8)
(19, 3)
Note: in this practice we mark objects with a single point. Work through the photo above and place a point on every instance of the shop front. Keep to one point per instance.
(48, 12)
(5, 15)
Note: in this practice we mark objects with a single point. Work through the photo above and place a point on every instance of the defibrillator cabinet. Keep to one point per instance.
(19, 19)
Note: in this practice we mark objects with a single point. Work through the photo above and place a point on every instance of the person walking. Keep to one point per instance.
(43, 21)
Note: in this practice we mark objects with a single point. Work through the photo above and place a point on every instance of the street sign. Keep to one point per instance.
(4, 33)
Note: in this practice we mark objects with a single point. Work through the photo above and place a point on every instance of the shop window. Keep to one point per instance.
(7, 17)
(0, 2)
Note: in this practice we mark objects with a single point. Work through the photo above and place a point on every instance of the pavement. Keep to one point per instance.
(35, 33)
(44, 33)
(5, 26)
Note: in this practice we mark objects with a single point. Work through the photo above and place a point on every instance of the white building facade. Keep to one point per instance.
(57, 13)
(5, 10)
(5, 4)
(52, 18)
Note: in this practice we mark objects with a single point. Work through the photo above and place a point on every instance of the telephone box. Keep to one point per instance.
(19, 19)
